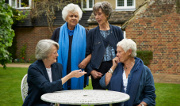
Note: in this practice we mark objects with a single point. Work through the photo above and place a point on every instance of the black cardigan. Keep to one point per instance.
(96, 47)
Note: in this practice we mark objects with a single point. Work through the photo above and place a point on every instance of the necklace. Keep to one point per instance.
(132, 64)
(125, 68)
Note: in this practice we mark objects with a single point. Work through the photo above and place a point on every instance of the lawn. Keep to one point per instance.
(10, 79)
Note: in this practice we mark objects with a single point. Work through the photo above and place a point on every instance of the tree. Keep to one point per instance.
(6, 32)
(48, 7)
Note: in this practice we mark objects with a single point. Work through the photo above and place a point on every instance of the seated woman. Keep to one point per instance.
(128, 74)
(45, 75)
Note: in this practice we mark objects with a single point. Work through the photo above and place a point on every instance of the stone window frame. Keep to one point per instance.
(17, 5)
(87, 5)
(125, 7)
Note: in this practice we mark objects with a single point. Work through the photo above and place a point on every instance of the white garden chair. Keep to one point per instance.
(24, 87)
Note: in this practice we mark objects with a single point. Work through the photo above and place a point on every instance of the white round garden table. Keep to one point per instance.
(85, 97)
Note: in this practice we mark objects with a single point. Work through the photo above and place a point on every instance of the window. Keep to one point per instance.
(87, 4)
(125, 5)
(20, 4)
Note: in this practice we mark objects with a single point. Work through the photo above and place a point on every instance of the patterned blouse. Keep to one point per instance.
(110, 52)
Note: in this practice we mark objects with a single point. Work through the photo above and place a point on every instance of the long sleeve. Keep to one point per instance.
(149, 89)
(89, 50)
(55, 35)
(102, 82)
(38, 79)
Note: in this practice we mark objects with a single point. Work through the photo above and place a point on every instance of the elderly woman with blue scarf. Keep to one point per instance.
(128, 74)
(71, 37)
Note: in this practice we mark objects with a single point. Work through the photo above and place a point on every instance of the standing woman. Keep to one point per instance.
(101, 43)
(71, 37)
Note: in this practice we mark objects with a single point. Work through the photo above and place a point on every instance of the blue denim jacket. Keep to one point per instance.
(145, 86)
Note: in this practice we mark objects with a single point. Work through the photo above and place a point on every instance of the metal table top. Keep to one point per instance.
(85, 97)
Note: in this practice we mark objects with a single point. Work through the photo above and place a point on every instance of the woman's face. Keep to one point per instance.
(72, 19)
(101, 18)
(53, 55)
(122, 55)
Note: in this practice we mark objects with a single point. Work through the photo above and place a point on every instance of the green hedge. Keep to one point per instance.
(146, 56)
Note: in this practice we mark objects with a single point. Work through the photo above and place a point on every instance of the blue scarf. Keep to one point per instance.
(133, 81)
(78, 51)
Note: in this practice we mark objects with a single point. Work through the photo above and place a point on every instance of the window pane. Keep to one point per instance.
(13, 3)
(129, 2)
(120, 3)
(84, 4)
(7, 1)
(90, 3)
(24, 3)
(17, 5)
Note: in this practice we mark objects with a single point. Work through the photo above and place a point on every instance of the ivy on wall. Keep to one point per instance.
(178, 6)
(146, 56)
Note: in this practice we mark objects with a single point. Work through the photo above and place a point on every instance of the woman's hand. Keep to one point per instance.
(77, 73)
(96, 74)
(142, 104)
(115, 62)
(84, 63)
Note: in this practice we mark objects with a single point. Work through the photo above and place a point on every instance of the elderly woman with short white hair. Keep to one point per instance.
(45, 75)
(128, 74)
(71, 37)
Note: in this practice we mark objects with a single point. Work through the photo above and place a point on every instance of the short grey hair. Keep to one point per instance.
(127, 44)
(105, 6)
(71, 8)
(43, 48)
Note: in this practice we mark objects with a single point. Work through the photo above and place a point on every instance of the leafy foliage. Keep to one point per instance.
(48, 8)
(6, 32)
(146, 56)
(178, 6)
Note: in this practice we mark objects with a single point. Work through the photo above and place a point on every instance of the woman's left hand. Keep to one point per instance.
(115, 62)
(83, 64)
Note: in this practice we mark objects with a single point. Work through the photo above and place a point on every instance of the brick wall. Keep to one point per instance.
(158, 30)
(30, 36)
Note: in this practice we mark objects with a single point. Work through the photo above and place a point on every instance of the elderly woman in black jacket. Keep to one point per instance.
(45, 75)
(101, 43)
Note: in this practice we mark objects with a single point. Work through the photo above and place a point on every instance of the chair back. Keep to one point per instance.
(24, 87)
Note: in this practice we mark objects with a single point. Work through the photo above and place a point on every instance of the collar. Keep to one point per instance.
(70, 32)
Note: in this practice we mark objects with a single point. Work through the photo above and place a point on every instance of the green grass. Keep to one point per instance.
(10, 86)
(10, 94)
(167, 94)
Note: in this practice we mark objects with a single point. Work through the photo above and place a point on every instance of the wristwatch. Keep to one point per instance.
(110, 71)
(142, 104)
